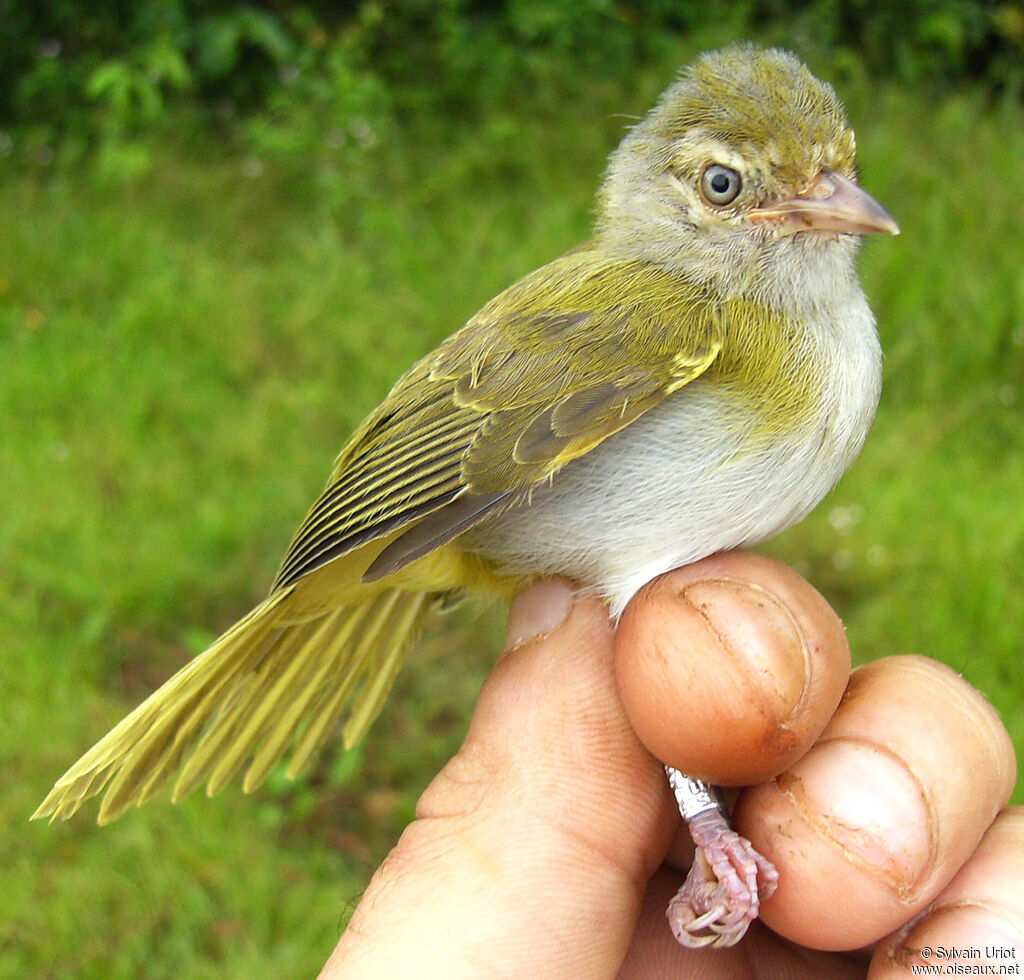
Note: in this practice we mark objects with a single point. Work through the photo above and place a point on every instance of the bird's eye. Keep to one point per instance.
(720, 185)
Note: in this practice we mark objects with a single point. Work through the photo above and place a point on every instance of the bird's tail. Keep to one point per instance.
(267, 682)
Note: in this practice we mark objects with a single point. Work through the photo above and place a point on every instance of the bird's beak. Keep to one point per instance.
(831, 202)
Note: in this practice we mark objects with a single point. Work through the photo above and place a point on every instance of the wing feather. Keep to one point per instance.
(545, 372)
(434, 530)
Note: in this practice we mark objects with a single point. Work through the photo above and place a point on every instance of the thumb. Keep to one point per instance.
(549, 819)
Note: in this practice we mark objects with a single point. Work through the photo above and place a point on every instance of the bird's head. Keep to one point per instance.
(746, 164)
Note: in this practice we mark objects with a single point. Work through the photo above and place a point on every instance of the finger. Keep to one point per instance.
(870, 825)
(654, 953)
(532, 847)
(731, 667)
(978, 919)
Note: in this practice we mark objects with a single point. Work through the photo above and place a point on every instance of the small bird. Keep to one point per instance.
(694, 378)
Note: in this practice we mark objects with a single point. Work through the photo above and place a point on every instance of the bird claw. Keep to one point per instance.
(723, 892)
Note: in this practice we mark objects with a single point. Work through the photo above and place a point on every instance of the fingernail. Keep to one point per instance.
(868, 803)
(538, 611)
(757, 630)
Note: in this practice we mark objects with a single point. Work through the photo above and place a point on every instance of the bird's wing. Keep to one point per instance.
(564, 358)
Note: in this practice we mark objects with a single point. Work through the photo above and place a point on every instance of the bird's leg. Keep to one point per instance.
(728, 880)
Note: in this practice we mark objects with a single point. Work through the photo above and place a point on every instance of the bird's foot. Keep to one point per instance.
(728, 881)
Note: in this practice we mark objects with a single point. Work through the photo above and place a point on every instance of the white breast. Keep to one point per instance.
(689, 479)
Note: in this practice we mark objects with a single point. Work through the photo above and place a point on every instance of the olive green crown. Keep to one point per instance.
(762, 102)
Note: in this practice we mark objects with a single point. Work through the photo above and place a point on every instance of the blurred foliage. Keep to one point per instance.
(321, 80)
(183, 350)
(182, 354)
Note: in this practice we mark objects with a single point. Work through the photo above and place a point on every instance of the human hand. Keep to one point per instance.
(549, 846)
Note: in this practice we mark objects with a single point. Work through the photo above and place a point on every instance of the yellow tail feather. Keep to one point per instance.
(246, 698)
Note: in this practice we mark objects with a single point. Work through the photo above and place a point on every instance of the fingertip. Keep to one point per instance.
(730, 668)
(887, 806)
(978, 915)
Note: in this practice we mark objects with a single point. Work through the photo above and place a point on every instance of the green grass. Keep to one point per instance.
(181, 360)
